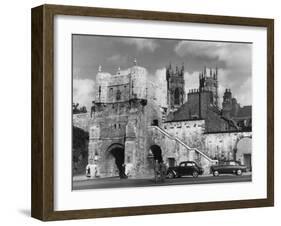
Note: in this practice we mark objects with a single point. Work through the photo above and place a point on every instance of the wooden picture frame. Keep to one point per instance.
(42, 203)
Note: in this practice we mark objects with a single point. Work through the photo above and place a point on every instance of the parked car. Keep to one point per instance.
(185, 168)
(228, 167)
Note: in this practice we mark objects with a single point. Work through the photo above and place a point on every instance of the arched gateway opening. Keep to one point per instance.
(116, 157)
(244, 152)
(156, 153)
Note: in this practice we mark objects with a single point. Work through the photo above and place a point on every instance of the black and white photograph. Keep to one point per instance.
(160, 112)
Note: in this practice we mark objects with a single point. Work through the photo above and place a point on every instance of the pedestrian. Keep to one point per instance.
(163, 171)
(124, 176)
(88, 171)
(156, 170)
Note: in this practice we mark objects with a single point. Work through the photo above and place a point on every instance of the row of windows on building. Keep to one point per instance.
(116, 126)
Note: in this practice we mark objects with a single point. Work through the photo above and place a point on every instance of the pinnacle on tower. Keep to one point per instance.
(99, 68)
(182, 69)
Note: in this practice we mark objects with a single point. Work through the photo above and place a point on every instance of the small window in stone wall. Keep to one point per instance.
(128, 159)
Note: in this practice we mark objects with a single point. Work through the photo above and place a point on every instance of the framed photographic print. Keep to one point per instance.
(141, 112)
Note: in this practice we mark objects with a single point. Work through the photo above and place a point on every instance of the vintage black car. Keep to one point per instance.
(228, 167)
(185, 168)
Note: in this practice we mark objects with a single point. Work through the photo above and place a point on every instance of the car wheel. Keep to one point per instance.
(195, 174)
(171, 175)
(239, 172)
(216, 173)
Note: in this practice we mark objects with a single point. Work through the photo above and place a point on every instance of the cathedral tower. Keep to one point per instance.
(208, 81)
(175, 87)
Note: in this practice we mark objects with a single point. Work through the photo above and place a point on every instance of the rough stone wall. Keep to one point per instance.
(102, 80)
(138, 82)
(118, 93)
(157, 92)
(188, 131)
(170, 148)
(218, 146)
(107, 127)
(215, 145)
(221, 145)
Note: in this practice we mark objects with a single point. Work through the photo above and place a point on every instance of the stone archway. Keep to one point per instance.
(242, 150)
(156, 153)
(115, 157)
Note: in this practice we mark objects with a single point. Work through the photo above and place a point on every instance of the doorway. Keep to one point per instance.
(117, 157)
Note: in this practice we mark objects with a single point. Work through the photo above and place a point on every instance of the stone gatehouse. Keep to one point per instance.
(129, 126)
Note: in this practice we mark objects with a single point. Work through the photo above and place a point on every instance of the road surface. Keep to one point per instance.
(116, 182)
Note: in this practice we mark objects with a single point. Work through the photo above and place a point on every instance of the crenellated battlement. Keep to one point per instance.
(122, 86)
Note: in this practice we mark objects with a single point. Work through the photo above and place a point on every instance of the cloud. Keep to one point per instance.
(242, 92)
(141, 44)
(224, 83)
(232, 54)
(117, 59)
(245, 94)
(199, 49)
(159, 76)
(234, 61)
(191, 80)
(83, 92)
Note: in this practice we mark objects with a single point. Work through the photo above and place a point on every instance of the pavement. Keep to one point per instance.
(83, 182)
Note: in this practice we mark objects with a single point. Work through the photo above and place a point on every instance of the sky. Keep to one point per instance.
(233, 60)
